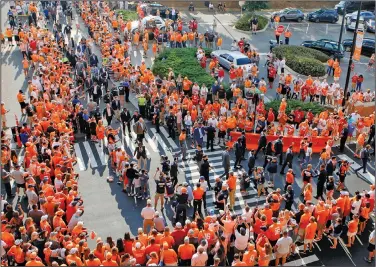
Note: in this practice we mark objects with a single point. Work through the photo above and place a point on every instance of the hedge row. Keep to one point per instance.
(293, 105)
(303, 60)
(127, 14)
(243, 22)
(183, 61)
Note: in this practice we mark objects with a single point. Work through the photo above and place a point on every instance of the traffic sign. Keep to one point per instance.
(280, 28)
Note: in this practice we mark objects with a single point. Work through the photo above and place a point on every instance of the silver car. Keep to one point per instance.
(227, 58)
(290, 14)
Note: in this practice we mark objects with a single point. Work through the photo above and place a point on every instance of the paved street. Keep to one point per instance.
(110, 212)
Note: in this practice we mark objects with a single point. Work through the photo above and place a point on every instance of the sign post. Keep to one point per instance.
(241, 4)
(358, 45)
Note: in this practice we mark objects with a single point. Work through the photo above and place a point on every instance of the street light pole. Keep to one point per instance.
(342, 25)
(351, 56)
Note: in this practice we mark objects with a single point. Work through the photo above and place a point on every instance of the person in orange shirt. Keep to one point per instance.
(109, 261)
(352, 230)
(322, 218)
(304, 221)
(288, 35)
(92, 261)
(330, 66)
(34, 261)
(100, 130)
(307, 193)
(310, 232)
(185, 252)
(250, 255)
(169, 256)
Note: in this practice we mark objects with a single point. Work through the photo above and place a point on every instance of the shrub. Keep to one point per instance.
(252, 6)
(127, 14)
(243, 22)
(303, 60)
(294, 104)
(183, 61)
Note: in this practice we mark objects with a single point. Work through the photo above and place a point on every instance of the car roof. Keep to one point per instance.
(234, 54)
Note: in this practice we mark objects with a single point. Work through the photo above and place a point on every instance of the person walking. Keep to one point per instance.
(343, 139)
(278, 149)
(198, 194)
(183, 144)
(371, 247)
(226, 161)
(140, 128)
(231, 182)
(108, 113)
(364, 155)
(289, 197)
(262, 142)
(238, 153)
(198, 134)
(141, 156)
(142, 105)
(205, 169)
(125, 118)
(171, 122)
(288, 35)
(321, 182)
(288, 160)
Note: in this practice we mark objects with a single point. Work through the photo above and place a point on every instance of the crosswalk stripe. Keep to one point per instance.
(21, 155)
(189, 151)
(151, 142)
(79, 158)
(135, 137)
(194, 167)
(171, 142)
(89, 152)
(129, 143)
(103, 157)
(303, 261)
(184, 164)
(218, 171)
(159, 139)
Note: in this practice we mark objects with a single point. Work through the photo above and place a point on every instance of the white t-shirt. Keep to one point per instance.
(284, 244)
(308, 152)
(2, 248)
(241, 241)
(355, 207)
(199, 259)
(148, 213)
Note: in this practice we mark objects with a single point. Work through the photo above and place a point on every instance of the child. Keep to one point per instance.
(137, 186)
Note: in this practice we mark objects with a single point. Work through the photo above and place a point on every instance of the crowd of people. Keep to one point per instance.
(51, 231)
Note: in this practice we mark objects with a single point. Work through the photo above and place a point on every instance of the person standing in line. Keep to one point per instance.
(226, 161)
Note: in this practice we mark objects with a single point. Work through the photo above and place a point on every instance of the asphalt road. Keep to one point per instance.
(110, 212)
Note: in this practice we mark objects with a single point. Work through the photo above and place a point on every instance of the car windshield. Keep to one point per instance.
(335, 46)
(243, 61)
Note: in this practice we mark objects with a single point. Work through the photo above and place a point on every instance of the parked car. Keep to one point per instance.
(352, 6)
(321, 15)
(154, 7)
(366, 15)
(227, 58)
(370, 25)
(351, 23)
(326, 46)
(290, 14)
(149, 23)
(368, 46)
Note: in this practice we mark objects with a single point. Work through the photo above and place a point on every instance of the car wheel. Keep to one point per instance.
(317, 20)
(300, 19)
(282, 19)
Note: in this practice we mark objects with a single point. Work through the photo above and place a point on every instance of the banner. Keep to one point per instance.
(358, 45)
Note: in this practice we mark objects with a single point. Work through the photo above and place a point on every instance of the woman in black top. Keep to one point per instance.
(336, 228)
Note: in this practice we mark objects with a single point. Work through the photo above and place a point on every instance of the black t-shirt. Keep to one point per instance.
(160, 186)
(223, 195)
(221, 93)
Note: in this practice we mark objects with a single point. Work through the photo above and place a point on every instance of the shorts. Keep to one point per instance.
(308, 241)
(336, 235)
(10, 39)
(221, 134)
(351, 234)
(279, 255)
(23, 105)
(371, 247)
(320, 226)
(158, 195)
(3, 41)
(301, 231)
(21, 186)
(362, 219)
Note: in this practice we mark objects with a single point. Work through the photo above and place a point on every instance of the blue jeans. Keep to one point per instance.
(358, 86)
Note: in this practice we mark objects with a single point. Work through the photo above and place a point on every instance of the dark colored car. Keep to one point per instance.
(326, 46)
(368, 46)
(352, 6)
(323, 15)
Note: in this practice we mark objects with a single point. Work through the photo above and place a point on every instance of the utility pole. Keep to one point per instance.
(342, 25)
(351, 56)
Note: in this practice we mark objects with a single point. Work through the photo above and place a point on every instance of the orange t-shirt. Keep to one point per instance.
(169, 256)
(311, 230)
(352, 226)
(186, 251)
(304, 220)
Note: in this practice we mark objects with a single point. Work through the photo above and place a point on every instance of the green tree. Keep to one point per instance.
(255, 5)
